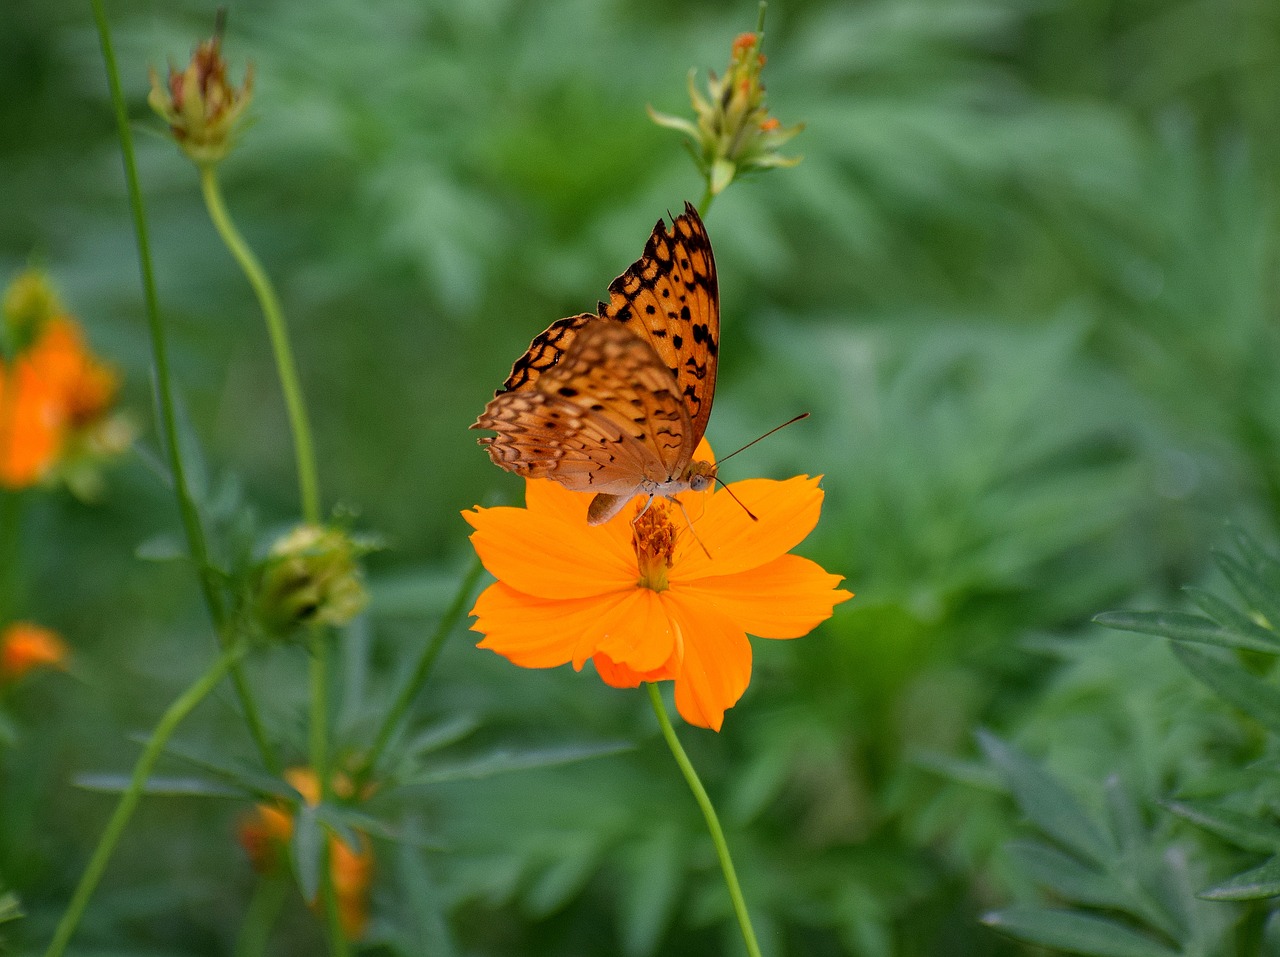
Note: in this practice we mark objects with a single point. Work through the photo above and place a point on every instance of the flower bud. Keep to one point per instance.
(201, 107)
(310, 576)
(29, 303)
(733, 133)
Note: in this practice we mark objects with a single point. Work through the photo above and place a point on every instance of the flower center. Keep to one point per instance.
(654, 536)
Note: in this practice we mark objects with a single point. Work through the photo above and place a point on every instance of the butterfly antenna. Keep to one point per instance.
(750, 514)
(802, 415)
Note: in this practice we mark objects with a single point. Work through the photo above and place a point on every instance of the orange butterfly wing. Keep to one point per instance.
(604, 417)
(670, 297)
(617, 403)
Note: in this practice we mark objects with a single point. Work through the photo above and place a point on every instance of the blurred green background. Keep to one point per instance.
(1025, 279)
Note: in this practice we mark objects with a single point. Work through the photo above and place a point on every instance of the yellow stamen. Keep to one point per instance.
(654, 536)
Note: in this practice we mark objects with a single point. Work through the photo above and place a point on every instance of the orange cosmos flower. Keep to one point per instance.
(641, 598)
(265, 832)
(52, 396)
(24, 646)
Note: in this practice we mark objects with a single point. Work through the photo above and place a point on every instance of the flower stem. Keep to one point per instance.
(264, 907)
(308, 484)
(319, 752)
(409, 691)
(713, 822)
(705, 203)
(163, 397)
(10, 535)
(168, 723)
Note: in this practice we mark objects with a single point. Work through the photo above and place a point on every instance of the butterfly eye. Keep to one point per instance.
(700, 481)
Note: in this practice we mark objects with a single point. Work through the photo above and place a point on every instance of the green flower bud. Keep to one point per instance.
(310, 576)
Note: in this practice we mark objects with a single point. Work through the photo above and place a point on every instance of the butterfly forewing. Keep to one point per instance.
(617, 402)
(670, 297)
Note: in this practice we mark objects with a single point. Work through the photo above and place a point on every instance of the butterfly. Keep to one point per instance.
(616, 402)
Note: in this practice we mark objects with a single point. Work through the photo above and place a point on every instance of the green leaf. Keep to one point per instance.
(1075, 933)
(1046, 802)
(1180, 626)
(503, 762)
(1240, 829)
(1251, 588)
(423, 919)
(163, 547)
(10, 907)
(1231, 617)
(654, 894)
(1064, 875)
(568, 873)
(158, 786)
(1260, 882)
(255, 783)
(1250, 694)
(1264, 565)
(958, 770)
(307, 841)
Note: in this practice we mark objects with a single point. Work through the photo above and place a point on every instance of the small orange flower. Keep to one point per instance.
(265, 832)
(53, 401)
(32, 426)
(642, 597)
(24, 646)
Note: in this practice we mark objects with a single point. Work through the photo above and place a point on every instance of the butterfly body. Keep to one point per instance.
(616, 402)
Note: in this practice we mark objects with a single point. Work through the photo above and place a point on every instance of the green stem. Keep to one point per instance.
(319, 750)
(264, 907)
(409, 691)
(705, 203)
(308, 484)
(168, 723)
(318, 742)
(163, 396)
(333, 916)
(11, 501)
(713, 822)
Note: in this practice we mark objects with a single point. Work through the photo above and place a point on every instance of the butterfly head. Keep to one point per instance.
(700, 476)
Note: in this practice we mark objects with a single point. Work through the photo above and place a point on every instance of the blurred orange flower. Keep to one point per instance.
(642, 597)
(265, 832)
(24, 646)
(54, 396)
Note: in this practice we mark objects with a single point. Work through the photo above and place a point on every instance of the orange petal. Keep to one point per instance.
(538, 553)
(539, 632)
(786, 598)
(638, 633)
(620, 676)
(787, 512)
(716, 665)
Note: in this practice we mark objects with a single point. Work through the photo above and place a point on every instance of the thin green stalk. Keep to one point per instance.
(705, 203)
(163, 397)
(338, 945)
(11, 501)
(308, 483)
(169, 721)
(713, 822)
(318, 741)
(260, 916)
(319, 750)
(391, 720)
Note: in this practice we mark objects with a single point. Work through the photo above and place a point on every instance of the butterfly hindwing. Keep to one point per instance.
(604, 417)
